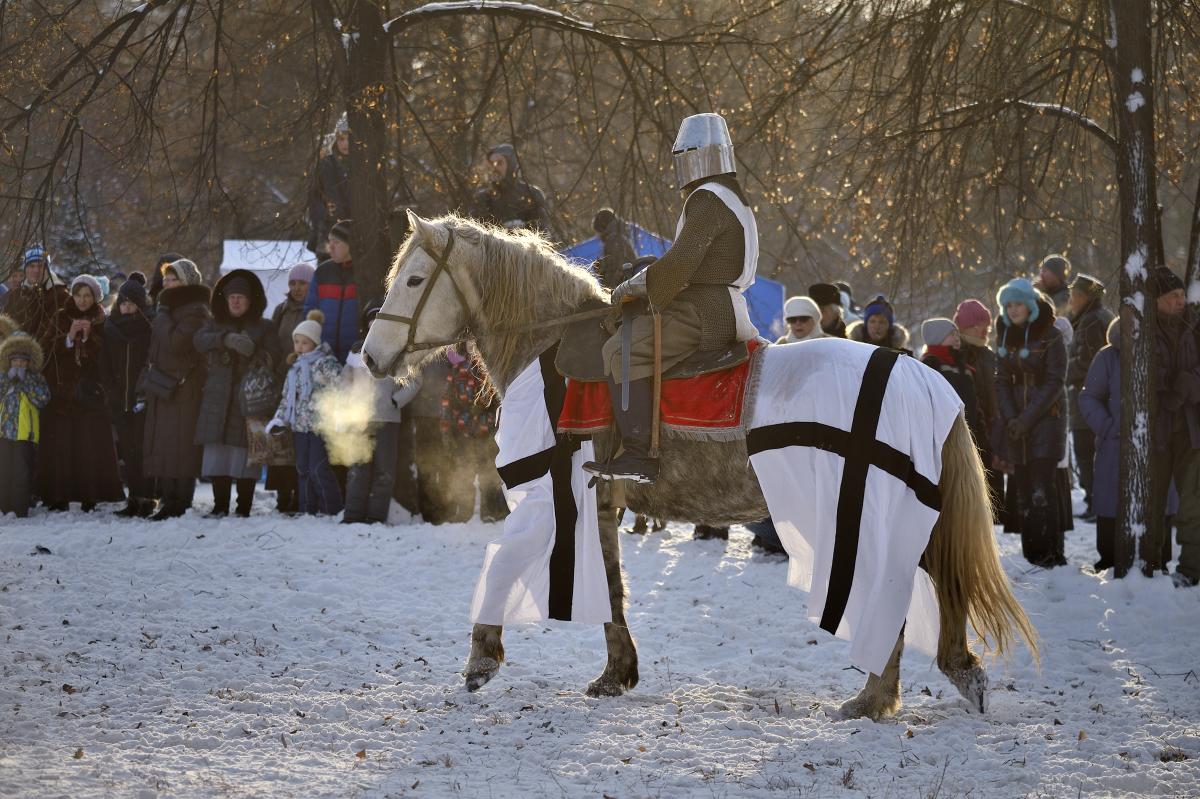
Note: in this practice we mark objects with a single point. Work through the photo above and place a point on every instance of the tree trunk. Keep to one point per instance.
(368, 104)
(1131, 68)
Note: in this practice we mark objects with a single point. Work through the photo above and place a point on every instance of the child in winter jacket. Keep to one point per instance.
(370, 485)
(313, 369)
(23, 393)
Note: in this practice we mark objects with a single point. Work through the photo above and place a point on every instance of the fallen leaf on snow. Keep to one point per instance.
(78, 754)
(361, 754)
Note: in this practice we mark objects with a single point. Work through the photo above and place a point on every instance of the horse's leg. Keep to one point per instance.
(880, 697)
(487, 653)
(621, 671)
(962, 667)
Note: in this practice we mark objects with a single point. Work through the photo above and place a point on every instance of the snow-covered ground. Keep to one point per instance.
(274, 657)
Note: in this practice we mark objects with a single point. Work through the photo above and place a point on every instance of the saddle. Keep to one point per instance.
(702, 398)
(580, 357)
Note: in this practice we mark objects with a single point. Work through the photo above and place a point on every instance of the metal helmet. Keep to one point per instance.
(702, 149)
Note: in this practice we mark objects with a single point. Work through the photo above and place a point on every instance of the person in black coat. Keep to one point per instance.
(509, 201)
(1031, 371)
(1089, 320)
(236, 340)
(943, 354)
(617, 248)
(126, 352)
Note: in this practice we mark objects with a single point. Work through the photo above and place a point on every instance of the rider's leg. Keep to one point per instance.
(634, 424)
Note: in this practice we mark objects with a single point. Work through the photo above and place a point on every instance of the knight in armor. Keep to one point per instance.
(696, 287)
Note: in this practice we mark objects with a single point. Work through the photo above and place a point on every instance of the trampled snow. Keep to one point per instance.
(279, 657)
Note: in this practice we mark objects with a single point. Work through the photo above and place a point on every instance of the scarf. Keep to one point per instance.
(299, 384)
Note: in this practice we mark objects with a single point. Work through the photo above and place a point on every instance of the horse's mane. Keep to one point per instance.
(521, 280)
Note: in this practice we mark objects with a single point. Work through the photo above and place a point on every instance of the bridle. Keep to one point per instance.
(440, 268)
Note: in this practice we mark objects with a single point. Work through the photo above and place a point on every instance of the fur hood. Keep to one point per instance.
(172, 299)
(857, 331)
(8, 326)
(1015, 339)
(258, 297)
(20, 344)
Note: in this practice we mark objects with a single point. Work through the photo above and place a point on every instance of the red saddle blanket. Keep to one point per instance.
(705, 406)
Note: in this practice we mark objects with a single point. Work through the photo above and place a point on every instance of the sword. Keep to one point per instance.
(628, 313)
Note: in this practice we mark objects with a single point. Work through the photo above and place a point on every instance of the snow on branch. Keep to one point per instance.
(1054, 109)
(529, 12)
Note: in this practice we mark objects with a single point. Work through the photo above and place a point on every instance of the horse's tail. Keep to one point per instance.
(962, 558)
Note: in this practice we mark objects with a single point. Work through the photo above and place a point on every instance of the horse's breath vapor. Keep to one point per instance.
(343, 419)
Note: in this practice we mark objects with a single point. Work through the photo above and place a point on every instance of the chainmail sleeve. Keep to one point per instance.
(706, 219)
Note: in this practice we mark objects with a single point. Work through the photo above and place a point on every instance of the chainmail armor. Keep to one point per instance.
(705, 259)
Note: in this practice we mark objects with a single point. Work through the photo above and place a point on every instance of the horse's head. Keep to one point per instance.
(429, 302)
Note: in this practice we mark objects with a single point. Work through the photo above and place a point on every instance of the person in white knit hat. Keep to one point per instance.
(803, 317)
(313, 369)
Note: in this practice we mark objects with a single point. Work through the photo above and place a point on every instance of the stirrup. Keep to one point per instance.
(637, 473)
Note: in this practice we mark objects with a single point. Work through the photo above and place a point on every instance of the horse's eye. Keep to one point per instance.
(415, 281)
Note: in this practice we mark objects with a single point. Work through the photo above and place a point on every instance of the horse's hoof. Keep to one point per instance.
(602, 686)
(480, 673)
(972, 683)
(861, 707)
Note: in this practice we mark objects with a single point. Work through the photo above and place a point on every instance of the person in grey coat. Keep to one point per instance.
(236, 339)
(1100, 407)
(1089, 320)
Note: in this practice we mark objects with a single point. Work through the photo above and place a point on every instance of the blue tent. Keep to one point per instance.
(765, 297)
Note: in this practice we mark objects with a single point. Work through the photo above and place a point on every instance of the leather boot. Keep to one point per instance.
(635, 462)
(222, 488)
(245, 496)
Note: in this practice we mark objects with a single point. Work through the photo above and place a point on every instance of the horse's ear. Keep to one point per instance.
(414, 221)
(424, 230)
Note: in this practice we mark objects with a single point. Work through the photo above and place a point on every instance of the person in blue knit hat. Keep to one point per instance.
(1031, 372)
(879, 327)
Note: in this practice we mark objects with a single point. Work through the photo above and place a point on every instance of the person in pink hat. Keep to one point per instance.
(974, 323)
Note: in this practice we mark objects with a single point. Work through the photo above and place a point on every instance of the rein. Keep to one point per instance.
(412, 345)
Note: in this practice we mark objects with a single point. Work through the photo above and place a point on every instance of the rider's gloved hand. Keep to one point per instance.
(634, 287)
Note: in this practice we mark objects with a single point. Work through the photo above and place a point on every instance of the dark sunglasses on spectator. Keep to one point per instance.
(792, 319)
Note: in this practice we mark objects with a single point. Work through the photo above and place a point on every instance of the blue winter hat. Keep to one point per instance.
(879, 305)
(1017, 290)
(35, 253)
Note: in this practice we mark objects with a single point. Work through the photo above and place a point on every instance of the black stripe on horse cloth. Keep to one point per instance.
(566, 514)
(527, 469)
(836, 440)
(861, 450)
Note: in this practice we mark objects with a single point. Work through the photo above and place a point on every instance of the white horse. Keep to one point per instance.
(455, 280)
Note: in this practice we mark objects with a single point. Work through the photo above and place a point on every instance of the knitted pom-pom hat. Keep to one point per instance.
(1017, 290)
(310, 328)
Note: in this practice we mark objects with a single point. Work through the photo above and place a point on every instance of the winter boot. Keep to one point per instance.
(132, 508)
(222, 488)
(245, 496)
(171, 509)
(634, 463)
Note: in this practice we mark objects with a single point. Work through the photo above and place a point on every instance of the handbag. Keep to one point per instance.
(259, 394)
(268, 449)
(158, 384)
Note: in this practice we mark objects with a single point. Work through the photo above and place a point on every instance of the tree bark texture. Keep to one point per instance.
(368, 107)
(1130, 67)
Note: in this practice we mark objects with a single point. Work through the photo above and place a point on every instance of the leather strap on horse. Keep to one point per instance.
(441, 261)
